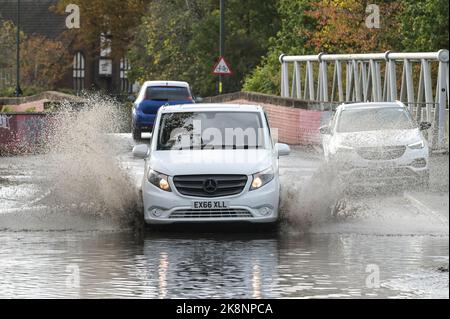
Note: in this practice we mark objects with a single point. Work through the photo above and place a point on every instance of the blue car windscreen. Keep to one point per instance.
(167, 93)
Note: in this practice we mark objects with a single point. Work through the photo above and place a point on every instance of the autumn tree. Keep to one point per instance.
(42, 61)
(338, 26)
(341, 27)
(115, 18)
(7, 44)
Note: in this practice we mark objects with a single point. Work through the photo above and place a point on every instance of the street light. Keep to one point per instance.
(18, 89)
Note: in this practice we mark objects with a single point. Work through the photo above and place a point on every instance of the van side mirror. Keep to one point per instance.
(282, 149)
(424, 126)
(325, 130)
(140, 151)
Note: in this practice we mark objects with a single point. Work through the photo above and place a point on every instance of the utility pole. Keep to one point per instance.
(222, 39)
(18, 89)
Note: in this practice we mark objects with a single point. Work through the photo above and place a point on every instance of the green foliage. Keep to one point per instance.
(31, 110)
(6, 109)
(7, 91)
(312, 26)
(424, 25)
(265, 78)
(179, 40)
(290, 39)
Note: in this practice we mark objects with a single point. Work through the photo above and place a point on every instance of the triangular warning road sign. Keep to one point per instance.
(222, 67)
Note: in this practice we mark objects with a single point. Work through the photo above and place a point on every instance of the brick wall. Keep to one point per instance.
(22, 132)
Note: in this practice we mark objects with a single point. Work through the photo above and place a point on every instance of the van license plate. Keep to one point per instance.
(210, 204)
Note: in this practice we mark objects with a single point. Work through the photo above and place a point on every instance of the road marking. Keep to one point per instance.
(424, 208)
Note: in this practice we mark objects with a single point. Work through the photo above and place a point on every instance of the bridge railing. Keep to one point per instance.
(417, 79)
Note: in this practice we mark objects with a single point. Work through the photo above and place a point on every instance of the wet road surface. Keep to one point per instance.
(383, 246)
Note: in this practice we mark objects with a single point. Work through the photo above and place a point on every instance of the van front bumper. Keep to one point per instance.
(257, 206)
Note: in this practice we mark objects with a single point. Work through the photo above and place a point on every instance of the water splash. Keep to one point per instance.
(310, 201)
(83, 174)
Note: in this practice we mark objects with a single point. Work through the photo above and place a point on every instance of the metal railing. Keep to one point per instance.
(373, 77)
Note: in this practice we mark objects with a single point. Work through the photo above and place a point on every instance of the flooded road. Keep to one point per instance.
(167, 265)
(383, 246)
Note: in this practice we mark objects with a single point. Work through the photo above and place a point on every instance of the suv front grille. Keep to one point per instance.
(381, 153)
(210, 185)
(210, 213)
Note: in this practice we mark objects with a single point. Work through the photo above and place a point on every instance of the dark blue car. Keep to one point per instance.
(152, 96)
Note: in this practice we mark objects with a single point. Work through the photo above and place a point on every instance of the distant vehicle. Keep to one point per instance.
(375, 144)
(211, 163)
(153, 95)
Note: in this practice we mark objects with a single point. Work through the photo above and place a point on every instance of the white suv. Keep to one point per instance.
(375, 144)
(211, 163)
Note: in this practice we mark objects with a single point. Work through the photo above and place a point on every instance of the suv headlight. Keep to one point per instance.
(417, 146)
(159, 180)
(262, 178)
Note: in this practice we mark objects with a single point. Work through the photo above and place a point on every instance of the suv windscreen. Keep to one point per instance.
(167, 93)
(376, 119)
(210, 130)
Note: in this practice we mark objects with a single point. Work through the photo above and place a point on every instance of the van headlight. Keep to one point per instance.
(159, 180)
(262, 178)
(417, 146)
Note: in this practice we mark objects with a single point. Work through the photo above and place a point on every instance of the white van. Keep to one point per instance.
(211, 163)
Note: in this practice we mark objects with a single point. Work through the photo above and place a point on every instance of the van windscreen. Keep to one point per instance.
(211, 130)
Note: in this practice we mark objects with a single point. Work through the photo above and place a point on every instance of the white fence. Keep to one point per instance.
(374, 77)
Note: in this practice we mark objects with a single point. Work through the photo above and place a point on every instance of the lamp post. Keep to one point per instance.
(18, 89)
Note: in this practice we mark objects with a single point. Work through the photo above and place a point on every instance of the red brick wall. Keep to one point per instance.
(295, 126)
(22, 133)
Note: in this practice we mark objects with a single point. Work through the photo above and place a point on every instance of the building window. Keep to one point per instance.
(78, 67)
(125, 85)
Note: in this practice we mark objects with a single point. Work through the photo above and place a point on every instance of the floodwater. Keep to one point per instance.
(239, 265)
(70, 227)
(384, 249)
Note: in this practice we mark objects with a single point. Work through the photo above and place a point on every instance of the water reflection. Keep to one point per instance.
(215, 266)
(165, 265)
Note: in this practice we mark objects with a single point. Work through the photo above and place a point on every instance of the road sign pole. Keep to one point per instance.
(222, 37)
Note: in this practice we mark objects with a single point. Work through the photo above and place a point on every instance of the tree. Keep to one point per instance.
(43, 61)
(290, 39)
(115, 18)
(7, 44)
(179, 39)
(341, 28)
(424, 25)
